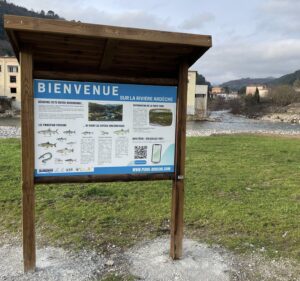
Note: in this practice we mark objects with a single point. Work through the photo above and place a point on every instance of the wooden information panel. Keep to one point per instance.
(101, 103)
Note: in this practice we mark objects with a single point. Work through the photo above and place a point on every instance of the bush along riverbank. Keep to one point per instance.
(282, 104)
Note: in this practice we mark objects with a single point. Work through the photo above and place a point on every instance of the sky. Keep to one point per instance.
(256, 38)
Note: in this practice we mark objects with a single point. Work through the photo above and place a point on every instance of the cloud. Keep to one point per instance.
(243, 59)
(280, 17)
(131, 18)
(197, 21)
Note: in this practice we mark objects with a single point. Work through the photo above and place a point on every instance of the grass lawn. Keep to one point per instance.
(242, 192)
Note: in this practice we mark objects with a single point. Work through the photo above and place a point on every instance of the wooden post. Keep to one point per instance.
(27, 127)
(178, 182)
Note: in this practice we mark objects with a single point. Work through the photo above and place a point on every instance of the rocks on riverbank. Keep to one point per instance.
(10, 132)
(287, 114)
(205, 133)
(15, 132)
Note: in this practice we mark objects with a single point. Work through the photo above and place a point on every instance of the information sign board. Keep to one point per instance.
(87, 128)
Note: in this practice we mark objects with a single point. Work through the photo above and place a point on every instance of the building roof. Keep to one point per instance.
(67, 46)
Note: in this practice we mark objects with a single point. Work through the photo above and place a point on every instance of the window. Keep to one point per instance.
(13, 90)
(12, 79)
(0, 68)
(12, 68)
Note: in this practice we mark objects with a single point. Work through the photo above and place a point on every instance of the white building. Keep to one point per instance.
(201, 101)
(191, 90)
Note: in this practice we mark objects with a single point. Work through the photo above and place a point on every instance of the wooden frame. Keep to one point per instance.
(117, 55)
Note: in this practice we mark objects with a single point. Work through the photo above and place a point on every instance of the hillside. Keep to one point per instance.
(12, 9)
(240, 83)
(288, 79)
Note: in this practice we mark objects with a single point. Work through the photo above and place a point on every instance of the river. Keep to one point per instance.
(226, 124)
(229, 124)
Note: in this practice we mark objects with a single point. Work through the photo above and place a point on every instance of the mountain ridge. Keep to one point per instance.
(12, 9)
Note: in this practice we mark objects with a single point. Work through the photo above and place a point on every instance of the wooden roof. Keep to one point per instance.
(75, 47)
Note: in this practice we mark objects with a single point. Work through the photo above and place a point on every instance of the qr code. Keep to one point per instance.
(140, 152)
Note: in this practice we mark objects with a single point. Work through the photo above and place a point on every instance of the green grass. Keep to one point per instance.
(242, 192)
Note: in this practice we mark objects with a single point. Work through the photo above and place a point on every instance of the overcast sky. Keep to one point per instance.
(256, 38)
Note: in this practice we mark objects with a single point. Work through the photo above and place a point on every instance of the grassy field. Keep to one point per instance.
(242, 192)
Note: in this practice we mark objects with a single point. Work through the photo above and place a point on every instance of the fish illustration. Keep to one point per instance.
(70, 160)
(45, 158)
(62, 139)
(87, 133)
(121, 132)
(71, 143)
(47, 144)
(104, 133)
(65, 151)
(48, 132)
(69, 132)
(58, 161)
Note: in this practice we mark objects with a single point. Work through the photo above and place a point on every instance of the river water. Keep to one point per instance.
(229, 123)
(226, 124)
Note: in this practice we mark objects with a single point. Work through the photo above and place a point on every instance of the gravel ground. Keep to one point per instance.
(148, 261)
(151, 262)
(53, 264)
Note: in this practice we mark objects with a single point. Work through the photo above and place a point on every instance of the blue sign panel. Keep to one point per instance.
(85, 128)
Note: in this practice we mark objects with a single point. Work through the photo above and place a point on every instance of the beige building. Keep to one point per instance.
(262, 89)
(10, 84)
(196, 98)
(191, 92)
(217, 90)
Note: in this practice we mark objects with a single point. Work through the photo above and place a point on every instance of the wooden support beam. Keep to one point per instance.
(108, 54)
(27, 127)
(51, 26)
(178, 182)
(45, 74)
(104, 178)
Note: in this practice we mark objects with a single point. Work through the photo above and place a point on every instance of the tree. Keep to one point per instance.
(296, 84)
(200, 80)
(256, 95)
(226, 90)
(242, 91)
(50, 13)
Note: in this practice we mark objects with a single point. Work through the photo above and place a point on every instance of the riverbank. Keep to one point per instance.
(265, 112)
(220, 123)
(288, 114)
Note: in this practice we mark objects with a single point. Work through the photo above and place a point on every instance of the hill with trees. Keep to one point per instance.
(12, 9)
(236, 85)
(291, 79)
(200, 80)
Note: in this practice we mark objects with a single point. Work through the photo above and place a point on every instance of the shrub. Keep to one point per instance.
(283, 95)
(236, 106)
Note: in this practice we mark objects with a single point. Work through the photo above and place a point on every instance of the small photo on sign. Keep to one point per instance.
(160, 117)
(105, 112)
